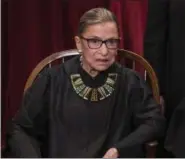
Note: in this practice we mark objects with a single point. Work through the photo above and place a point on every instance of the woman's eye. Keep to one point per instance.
(111, 41)
(95, 40)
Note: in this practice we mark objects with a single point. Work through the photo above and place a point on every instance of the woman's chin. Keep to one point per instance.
(101, 67)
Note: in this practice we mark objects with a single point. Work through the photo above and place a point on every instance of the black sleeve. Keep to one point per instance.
(156, 37)
(149, 123)
(29, 125)
(175, 137)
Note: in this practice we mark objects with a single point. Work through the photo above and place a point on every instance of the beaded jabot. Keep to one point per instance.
(94, 94)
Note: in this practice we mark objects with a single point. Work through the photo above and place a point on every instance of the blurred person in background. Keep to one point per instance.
(164, 48)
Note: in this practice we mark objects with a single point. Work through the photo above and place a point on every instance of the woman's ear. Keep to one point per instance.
(78, 43)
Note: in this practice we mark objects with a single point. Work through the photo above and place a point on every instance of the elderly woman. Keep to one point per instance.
(90, 106)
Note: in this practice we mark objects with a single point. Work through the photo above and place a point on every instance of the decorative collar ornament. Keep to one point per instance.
(94, 94)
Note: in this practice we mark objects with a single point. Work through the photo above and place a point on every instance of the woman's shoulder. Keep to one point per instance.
(132, 79)
(122, 70)
(63, 68)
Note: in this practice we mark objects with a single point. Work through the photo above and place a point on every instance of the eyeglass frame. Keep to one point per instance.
(102, 42)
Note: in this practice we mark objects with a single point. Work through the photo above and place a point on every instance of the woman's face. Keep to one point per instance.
(97, 55)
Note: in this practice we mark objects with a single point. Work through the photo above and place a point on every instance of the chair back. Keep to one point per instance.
(49, 62)
(123, 54)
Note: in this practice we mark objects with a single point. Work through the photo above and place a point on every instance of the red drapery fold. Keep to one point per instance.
(37, 28)
(131, 15)
(117, 8)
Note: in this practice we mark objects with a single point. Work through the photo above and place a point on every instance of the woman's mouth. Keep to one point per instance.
(102, 60)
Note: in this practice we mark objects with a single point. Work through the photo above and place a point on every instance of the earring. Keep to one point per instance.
(80, 51)
(81, 59)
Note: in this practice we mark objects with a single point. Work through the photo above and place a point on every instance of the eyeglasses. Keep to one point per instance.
(94, 43)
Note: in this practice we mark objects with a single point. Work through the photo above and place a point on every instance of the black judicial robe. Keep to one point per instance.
(175, 138)
(164, 48)
(55, 120)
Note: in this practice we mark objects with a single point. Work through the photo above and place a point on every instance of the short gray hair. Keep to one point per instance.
(95, 16)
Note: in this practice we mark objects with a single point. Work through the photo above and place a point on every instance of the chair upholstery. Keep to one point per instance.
(47, 62)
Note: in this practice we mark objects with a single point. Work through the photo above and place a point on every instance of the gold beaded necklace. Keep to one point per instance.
(94, 94)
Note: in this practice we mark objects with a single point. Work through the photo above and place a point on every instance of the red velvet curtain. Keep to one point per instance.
(33, 29)
(131, 15)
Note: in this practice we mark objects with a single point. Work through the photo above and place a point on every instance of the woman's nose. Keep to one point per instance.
(104, 49)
